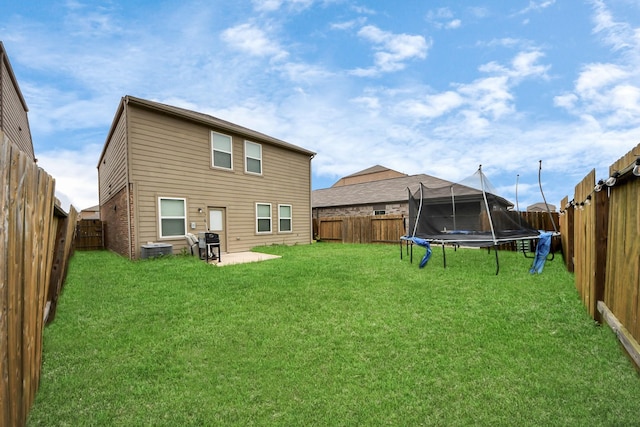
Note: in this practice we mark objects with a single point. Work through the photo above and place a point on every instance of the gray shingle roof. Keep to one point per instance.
(372, 169)
(392, 190)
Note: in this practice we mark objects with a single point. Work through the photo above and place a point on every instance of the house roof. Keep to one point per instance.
(201, 118)
(372, 169)
(541, 207)
(95, 208)
(383, 191)
(374, 173)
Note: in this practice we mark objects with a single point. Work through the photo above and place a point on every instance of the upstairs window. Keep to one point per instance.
(253, 157)
(263, 217)
(284, 217)
(221, 151)
(172, 217)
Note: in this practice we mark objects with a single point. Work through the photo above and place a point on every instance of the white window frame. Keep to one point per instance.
(247, 157)
(290, 218)
(270, 218)
(213, 150)
(161, 217)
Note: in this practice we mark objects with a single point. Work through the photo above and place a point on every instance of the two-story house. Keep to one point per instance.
(166, 171)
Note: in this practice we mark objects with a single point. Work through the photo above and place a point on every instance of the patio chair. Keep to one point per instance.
(192, 241)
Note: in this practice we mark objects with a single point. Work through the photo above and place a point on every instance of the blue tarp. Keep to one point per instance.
(425, 244)
(542, 250)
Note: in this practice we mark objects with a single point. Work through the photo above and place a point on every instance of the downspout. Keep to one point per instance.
(125, 103)
(310, 200)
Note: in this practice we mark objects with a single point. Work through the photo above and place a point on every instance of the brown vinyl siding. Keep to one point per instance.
(112, 169)
(13, 109)
(171, 157)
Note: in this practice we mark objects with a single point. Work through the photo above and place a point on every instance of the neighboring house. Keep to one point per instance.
(541, 207)
(374, 173)
(13, 108)
(373, 191)
(92, 213)
(166, 171)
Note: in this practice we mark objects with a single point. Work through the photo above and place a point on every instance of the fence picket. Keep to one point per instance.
(5, 176)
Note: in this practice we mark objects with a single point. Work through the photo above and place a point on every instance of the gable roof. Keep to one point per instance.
(390, 190)
(374, 173)
(200, 118)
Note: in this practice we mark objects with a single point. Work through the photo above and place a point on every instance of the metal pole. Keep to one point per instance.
(486, 204)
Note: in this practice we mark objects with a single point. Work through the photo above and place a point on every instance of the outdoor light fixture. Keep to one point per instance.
(599, 186)
(199, 210)
(636, 167)
(587, 202)
(611, 181)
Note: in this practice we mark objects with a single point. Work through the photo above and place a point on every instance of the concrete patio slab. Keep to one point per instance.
(242, 258)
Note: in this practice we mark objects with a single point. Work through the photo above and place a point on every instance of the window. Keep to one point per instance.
(284, 216)
(221, 151)
(253, 157)
(263, 217)
(379, 209)
(172, 216)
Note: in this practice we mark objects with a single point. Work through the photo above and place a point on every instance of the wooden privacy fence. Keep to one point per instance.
(601, 240)
(360, 229)
(35, 244)
(389, 228)
(89, 234)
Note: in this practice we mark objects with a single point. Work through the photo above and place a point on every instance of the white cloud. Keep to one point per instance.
(253, 40)
(619, 35)
(75, 173)
(453, 24)
(274, 5)
(305, 73)
(536, 6)
(347, 25)
(433, 105)
(606, 92)
(524, 64)
(443, 18)
(392, 50)
(595, 77)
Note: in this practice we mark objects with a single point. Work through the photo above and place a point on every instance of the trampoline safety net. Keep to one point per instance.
(468, 213)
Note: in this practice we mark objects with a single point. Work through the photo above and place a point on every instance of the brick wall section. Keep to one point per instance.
(114, 215)
(363, 210)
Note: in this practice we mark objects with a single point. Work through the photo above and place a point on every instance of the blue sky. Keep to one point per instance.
(435, 87)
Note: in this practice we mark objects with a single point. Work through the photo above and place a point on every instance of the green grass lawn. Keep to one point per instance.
(329, 334)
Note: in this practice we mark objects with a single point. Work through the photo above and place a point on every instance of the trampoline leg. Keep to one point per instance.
(497, 263)
(444, 257)
(400, 249)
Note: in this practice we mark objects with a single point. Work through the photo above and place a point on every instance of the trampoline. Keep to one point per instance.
(469, 213)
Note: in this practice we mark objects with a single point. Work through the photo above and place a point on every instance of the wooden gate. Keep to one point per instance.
(89, 234)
